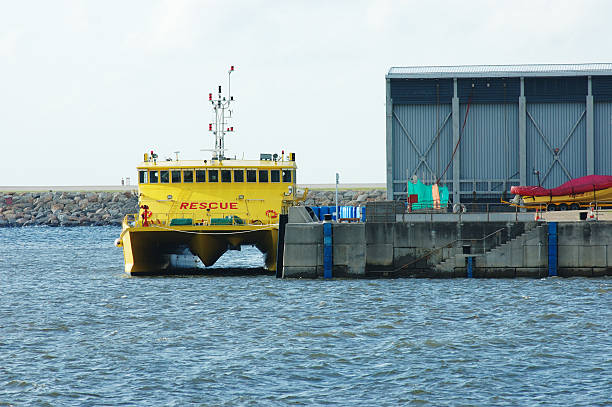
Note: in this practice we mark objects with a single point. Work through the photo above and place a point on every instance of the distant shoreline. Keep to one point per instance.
(129, 188)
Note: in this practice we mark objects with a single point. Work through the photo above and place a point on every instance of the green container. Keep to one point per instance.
(228, 220)
(181, 222)
(221, 221)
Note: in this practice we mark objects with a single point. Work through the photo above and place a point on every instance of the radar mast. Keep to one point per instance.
(220, 126)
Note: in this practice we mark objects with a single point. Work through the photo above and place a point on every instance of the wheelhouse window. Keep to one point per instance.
(286, 175)
(226, 175)
(164, 176)
(188, 176)
(175, 175)
(251, 176)
(263, 175)
(275, 176)
(238, 175)
(200, 175)
(153, 177)
(213, 175)
(142, 177)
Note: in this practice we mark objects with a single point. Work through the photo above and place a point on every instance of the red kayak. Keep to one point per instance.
(575, 186)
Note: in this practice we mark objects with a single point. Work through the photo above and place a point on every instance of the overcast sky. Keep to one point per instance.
(86, 87)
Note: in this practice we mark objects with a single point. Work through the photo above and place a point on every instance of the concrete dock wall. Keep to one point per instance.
(585, 249)
(303, 256)
(499, 249)
(422, 245)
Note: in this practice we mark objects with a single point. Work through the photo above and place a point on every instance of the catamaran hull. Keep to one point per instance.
(146, 250)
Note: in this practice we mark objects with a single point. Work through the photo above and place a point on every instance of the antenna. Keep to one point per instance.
(177, 153)
(220, 126)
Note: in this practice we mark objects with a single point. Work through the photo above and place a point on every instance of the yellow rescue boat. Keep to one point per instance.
(206, 207)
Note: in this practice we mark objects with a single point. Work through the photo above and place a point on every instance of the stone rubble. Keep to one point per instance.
(58, 208)
(345, 197)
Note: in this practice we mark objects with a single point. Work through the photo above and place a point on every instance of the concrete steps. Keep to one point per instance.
(499, 251)
(513, 253)
(447, 265)
(522, 237)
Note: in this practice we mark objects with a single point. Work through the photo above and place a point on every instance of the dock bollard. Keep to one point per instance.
(327, 246)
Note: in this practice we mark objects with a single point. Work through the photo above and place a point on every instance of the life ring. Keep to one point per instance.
(271, 214)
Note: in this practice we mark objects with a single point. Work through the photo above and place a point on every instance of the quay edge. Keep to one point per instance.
(509, 246)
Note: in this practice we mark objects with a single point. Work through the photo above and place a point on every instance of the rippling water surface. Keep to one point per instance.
(74, 330)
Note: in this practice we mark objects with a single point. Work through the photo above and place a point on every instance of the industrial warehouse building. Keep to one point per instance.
(480, 129)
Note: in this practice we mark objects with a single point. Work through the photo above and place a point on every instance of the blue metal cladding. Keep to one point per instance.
(489, 90)
(602, 88)
(421, 91)
(327, 250)
(421, 122)
(602, 129)
(556, 89)
(489, 143)
(317, 211)
(556, 121)
(470, 267)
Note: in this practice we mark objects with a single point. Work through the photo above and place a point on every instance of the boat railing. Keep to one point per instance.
(196, 219)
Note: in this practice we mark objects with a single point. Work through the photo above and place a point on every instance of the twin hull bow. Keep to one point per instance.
(146, 250)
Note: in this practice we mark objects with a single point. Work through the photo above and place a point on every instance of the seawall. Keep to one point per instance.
(436, 246)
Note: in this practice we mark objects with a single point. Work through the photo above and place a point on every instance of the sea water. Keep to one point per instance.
(75, 330)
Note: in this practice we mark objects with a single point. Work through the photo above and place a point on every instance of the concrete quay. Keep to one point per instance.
(496, 245)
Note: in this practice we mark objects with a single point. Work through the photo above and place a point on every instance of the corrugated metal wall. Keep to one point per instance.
(602, 124)
(557, 89)
(489, 90)
(555, 121)
(489, 144)
(556, 118)
(422, 91)
(420, 123)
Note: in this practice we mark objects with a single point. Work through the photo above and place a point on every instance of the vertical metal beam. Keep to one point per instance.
(389, 132)
(470, 267)
(456, 159)
(590, 135)
(553, 263)
(328, 259)
(280, 247)
(522, 116)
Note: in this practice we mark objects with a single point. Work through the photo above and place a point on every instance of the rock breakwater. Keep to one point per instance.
(345, 197)
(87, 208)
(66, 208)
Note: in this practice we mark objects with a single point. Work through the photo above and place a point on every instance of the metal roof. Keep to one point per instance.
(504, 71)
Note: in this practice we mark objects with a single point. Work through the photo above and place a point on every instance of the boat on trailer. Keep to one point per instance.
(205, 207)
(583, 192)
